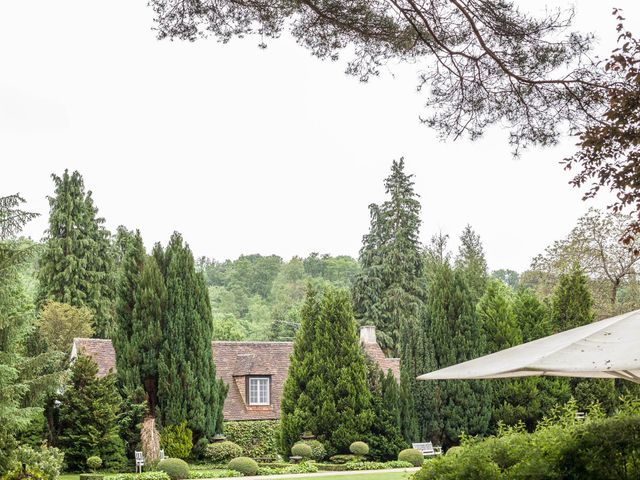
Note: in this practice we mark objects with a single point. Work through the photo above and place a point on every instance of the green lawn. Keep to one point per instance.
(69, 476)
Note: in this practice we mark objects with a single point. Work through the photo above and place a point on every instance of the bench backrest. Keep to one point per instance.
(139, 458)
(423, 447)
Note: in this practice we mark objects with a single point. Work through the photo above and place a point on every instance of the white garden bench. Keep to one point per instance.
(427, 449)
(139, 462)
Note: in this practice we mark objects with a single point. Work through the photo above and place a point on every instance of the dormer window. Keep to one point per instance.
(259, 390)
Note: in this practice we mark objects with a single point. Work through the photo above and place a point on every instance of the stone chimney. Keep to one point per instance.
(368, 334)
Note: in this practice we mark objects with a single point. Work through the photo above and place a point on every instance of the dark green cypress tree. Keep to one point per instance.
(76, 261)
(456, 333)
(127, 358)
(571, 307)
(471, 261)
(89, 418)
(531, 314)
(390, 294)
(326, 388)
(187, 386)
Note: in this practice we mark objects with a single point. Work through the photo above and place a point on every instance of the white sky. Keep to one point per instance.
(245, 150)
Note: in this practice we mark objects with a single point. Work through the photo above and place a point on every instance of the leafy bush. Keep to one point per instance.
(176, 468)
(25, 474)
(412, 456)
(244, 465)
(177, 441)
(398, 464)
(301, 450)
(258, 439)
(318, 452)
(94, 463)
(222, 452)
(139, 476)
(47, 461)
(213, 473)
(199, 448)
(477, 465)
(359, 448)
(365, 466)
(342, 459)
(288, 469)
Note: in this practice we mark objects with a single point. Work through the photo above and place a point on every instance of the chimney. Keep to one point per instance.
(368, 334)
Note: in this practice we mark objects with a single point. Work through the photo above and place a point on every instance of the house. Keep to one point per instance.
(254, 371)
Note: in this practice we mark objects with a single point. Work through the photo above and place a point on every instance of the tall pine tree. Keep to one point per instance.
(187, 386)
(471, 261)
(76, 261)
(326, 388)
(390, 291)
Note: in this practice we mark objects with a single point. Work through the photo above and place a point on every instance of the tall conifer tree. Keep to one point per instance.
(390, 291)
(326, 388)
(187, 386)
(76, 261)
(471, 261)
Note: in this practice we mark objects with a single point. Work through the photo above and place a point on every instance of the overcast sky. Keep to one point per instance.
(245, 150)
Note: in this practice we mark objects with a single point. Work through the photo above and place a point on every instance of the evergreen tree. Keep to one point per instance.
(187, 389)
(390, 294)
(76, 261)
(385, 438)
(89, 418)
(456, 333)
(326, 387)
(472, 263)
(531, 315)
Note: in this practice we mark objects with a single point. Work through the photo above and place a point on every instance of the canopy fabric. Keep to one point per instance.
(606, 349)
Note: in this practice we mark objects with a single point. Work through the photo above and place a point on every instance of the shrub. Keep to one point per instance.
(318, 452)
(213, 473)
(176, 468)
(25, 474)
(94, 463)
(200, 447)
(47, 461)
(244, 465)
(342, 459)
(470, 464)
(177, 441)
(222, 452)
(359, 448)
(411, 455)
(398, 464)
(140, 476)
(301, 450)
(258, 439)
(454, 451)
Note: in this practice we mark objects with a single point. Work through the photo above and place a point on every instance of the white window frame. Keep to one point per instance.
(258, 381)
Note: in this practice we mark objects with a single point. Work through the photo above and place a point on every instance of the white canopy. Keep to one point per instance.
(606, 349)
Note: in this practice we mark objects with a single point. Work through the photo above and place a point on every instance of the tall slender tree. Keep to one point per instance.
(187, 389)
(326, 388)
(471, 261)
(76, 261)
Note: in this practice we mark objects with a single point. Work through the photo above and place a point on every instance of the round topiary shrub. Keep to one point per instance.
(244, 465)
(412, 456)
(359, 448)
(301, 450)
(453, 451)
(318, 452)
(222, 452)
(94, 463)
(176, 468)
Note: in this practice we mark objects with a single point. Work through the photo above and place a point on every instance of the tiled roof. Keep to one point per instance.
(101, 351)
(234, 361)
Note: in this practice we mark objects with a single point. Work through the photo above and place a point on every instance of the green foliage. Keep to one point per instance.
(21, 473)
(376, 465)
(177, 440)
(222, 452)
(389, 292)
(472, 263)
(301, 450)
(91, 476)
(77, 257)
(258, 439)
(187, 386)
(89, 418)
(94, 463)
(213, 473)
(411, 455)
(140, 476)
(304, 467)
(244, 465)
(572, 303)
(176, 468)
(343, 458)
(326, 388)
(60, 323)
(46, 460)
(318, 452)
(359, 448)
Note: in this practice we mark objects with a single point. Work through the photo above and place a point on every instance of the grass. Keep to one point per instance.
(69, 476)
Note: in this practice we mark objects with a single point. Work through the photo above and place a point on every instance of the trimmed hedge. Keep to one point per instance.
(318, 452)
(94, 463)
(258, 439)
(411, 455)
(359, 448)
(222, 452)
(245, 465)
(176, 468)
(139, 476)
(301, 450)
(213, 474)
(341, 459)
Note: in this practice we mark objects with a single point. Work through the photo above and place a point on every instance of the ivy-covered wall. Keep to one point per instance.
(258, 438)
